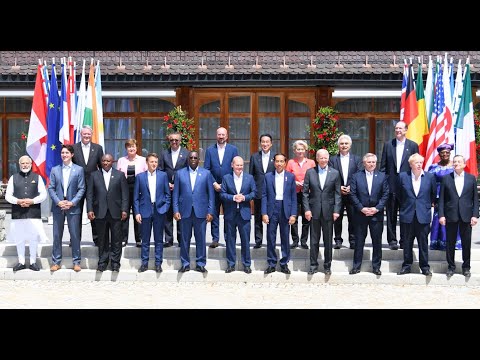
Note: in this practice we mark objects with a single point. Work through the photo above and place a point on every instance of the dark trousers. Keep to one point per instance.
(392, 207)
(169, 227)
(125, 223)
(305, 223)
(420, 231)
(257, 216)
(337, 225)
(376, 230)
(109, 241)
(465, 231)
(278, 219)
(244, 231)
(318, 227)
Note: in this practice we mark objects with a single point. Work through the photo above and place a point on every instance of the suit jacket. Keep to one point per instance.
(140, 164)
(94, 159)
(201, 199)
(360, 197)
(289, 195)
(142, 204)
(454, 207)
(322, 203)
(388, 164)
(75, 188)
(354, 164)
(212, 161)
(256, 170)
(420, 204)
(248, 189)
(165, 162)
(115, 198)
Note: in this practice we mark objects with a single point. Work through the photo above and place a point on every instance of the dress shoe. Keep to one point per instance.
(393, 246)
(143, 267)
(304, 246)
(294, 246)
(19, 267)
(77, 268)
(377, 272)
(70, 244)
(201, 268)
(312, 271)
(450, 273)
(55, 267)
(34, 267)
(158, 268)
(404, 271)
(338, 245)
(466, 273)
(116, 269)
(247, 270)
(167, 244)
(101, 268)
(184, 269)
(269, 270)
(284, 269)
(352, 245)
(230, 269)
(138, 244)
(213, 245)
(257, 246)
(327, 272)
(427, 273)
(354, 271)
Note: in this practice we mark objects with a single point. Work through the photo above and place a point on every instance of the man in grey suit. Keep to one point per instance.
(107, 203)
(322, 202)
(66, 189)
(89, 156)
(458, 211)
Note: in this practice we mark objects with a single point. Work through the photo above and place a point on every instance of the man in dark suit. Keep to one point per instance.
(89, 156)
(369, 194)
(218, 160)
(66, 189)
(322, 202)
(458, 211)
(237, 191)
(151, 200)
(193, 204)
(279, 209)
(395, 156)
(417, 194)
(107, 204)
(171, 160)
(346, 164)
(261, 162)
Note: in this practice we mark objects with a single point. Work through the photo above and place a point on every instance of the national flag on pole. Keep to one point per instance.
(465, 139)
(429, 90)
(53, 124)
(448, 113)
(71, 99)
(98, 92)
(404, 90)
(37, 127)
(91, 104)
(64, 134)
(410, 109)
(418, 128)
(80, 110)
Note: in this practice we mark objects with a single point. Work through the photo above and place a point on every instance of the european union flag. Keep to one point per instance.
(54, 147)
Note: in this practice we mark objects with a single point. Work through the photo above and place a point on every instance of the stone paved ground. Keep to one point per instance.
(147, 295)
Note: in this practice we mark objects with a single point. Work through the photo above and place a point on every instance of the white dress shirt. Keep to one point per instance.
(265, 160)
(416, 183)
(106, 177)
(345, 162)
(369, 176)
(152, 184)
(221, 152)
(175, 156)
(193, 176)
(459, 181)
(279, 183)
(86, 151)
(66, 169)
(400, 148)
(322, 175)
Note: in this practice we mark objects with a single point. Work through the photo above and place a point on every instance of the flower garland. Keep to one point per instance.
(177, 121)
(325, 131)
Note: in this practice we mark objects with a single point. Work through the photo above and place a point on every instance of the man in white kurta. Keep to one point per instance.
(25, 191)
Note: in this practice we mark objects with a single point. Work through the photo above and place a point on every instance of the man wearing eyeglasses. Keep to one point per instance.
(171, 160)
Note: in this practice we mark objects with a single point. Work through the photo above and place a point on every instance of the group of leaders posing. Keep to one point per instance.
(161, 188)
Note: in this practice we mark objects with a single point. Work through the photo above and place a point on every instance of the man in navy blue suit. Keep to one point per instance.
(458, 211)
(279, 209)
(369, 194)
(417, 194)
(237, 191)
(151, 200)
(218, 160)
(193, 204)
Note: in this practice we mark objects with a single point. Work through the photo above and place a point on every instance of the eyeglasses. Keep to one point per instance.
(193, 157)
(174, 140)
